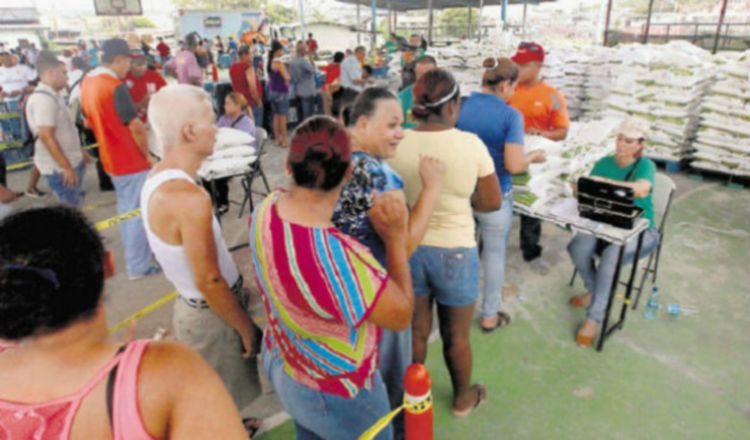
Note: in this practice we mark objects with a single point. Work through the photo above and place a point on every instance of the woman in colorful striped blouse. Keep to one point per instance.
(326, 297)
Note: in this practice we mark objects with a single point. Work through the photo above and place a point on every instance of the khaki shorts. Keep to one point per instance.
(203, 331)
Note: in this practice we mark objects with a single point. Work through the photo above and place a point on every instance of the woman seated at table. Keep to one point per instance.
(236, 115)
(629, 169)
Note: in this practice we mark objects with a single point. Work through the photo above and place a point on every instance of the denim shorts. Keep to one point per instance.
(451, 275)
(279, 103)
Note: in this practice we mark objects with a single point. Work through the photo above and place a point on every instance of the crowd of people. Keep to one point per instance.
(374, 233)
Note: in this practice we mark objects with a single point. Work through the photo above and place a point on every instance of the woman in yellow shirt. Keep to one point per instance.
(445, 267)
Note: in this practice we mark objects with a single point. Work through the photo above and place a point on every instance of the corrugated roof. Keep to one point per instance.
(18, 16)
(410, 5)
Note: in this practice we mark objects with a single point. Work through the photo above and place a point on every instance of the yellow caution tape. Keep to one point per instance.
(622, 298)
(418, 407)
(144, 311)
(116, 220)
(18, 166)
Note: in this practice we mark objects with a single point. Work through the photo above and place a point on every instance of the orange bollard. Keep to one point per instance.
(214, 73)
(418, 417)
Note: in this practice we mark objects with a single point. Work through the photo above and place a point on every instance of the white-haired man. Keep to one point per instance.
(211, 313)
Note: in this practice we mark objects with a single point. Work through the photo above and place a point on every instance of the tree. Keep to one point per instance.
(141, 23)
(455, 22)
(281, 14)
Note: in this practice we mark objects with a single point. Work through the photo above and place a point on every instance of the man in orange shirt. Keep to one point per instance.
(545, 114)
(123, 148)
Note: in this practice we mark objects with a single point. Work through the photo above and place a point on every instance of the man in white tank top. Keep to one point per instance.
(211, 313)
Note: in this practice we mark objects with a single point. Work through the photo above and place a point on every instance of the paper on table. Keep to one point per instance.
(566, 209)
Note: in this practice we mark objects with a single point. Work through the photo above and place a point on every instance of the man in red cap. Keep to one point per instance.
(545, 114)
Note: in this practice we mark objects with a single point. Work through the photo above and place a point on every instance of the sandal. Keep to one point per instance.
(252, 425)
(481, 399)
(503, 320)
(580, 300)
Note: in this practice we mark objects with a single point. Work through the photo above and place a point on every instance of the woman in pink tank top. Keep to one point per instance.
(60, 375)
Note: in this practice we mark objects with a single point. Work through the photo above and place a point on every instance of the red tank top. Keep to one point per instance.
(53, 420)
(240, 84)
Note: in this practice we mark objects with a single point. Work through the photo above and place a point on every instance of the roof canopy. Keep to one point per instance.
(410, 5)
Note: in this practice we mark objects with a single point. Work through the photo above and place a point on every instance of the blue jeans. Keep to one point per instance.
(451, 275)
(258, 115)
(279, 103)
(65, 194)
(395, 357)
(306, 107)
(137, 251)
(495, 230)
(320, 415)
(599, 280)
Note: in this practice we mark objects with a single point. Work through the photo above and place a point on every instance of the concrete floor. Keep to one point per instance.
(684, 377)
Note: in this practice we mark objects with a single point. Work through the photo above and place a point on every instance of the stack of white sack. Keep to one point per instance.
(233, 154)
(723, 142)
(567, 160)
(565, 69)
(665, 85)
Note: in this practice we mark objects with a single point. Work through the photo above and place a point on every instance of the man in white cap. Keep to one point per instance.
(627, 168)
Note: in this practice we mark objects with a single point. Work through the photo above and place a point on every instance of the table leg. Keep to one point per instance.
(604, 331)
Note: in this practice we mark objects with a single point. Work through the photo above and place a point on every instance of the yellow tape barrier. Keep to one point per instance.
(418, 407)
(18, 166)
(166, 299)
(116, 220)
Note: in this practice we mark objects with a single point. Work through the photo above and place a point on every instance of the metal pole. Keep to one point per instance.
(390, 23)
(302, 19)
(722, 13)
(373, 26)
(429, 22)
(504, 13)
(479, 19)
(525, 6)
(359, 23)
(648, 21)
(468, 25)
(606, 22)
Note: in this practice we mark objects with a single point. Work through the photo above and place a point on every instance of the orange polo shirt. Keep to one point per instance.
(542, 107)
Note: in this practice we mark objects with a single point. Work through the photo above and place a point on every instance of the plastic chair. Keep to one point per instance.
(256, 170)
(663, 193)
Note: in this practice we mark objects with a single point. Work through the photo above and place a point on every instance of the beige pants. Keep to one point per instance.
(206, 333)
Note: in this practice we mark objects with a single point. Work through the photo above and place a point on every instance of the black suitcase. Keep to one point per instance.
(607, 203)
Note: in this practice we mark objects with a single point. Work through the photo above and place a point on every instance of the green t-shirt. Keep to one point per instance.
(607, 167)
(407, 103)
(391, 46)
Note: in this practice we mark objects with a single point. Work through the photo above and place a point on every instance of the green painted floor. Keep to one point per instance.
(685, 377)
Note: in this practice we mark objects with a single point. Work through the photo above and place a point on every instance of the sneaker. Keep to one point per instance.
(154, 269)
(35, 194)
(539, 266)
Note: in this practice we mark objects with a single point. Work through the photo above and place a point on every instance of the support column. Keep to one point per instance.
(525, 7)
(429, 22)
(359, 23)
(479, 19)
(302, 20)
(373, 26)
(390, 23)
(648, 21)
(606, 22)
(469, 24)
(722, 13)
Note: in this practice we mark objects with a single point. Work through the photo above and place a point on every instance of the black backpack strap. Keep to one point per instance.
(237, 121)
(111, 387)
(632, 170)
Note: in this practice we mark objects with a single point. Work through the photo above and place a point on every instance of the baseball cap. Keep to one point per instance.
(137, 54)
(528, 52)
(634, 128)
(115, 47)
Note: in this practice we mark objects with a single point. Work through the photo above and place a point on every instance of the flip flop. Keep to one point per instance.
(481, 391)
(252, 425)
(580, 301)
(502, 321)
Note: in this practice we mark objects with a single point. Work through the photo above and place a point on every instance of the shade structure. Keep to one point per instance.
(411, 5)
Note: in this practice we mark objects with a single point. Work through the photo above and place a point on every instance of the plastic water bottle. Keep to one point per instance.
(652, 306)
